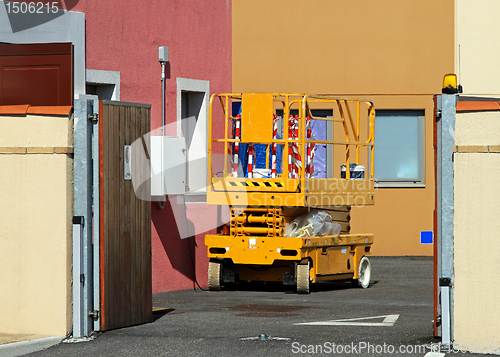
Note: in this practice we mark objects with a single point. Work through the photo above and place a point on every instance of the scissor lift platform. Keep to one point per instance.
(254, 246)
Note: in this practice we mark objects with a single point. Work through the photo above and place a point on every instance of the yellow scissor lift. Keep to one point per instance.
(253, 246)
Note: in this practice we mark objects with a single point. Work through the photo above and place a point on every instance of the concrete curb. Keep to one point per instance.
(24, 347)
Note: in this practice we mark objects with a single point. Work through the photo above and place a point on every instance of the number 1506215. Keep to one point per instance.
(31, 8)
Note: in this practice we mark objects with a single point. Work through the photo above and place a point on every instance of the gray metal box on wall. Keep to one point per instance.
(163, 54)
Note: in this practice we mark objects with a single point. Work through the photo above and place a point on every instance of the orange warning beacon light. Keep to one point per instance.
(450, 84)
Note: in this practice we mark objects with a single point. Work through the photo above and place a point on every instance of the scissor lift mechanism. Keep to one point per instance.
(253, 246)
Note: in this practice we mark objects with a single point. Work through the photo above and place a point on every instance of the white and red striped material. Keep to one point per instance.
(251, 154)
(294, 157)
(273, 147)
(310, 150)
(236, 135)
(290, 150)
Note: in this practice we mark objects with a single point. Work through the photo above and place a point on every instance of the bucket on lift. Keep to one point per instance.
(357, 172)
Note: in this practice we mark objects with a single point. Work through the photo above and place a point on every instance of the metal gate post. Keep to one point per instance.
(83, 208)
(445, 214)
(96, 210)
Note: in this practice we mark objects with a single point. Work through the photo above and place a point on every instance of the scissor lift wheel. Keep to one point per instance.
(214, 276)
(365, 273)
(303, 278)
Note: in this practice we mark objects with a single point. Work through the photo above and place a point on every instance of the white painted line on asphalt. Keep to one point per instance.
(389, 320)
(434, 354)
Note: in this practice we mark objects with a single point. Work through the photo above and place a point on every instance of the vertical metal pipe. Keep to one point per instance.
(225, 105)
(210, 111)
(163, 98)
(357, 132)
(96, 214)
(372, 137)
(161, 204)
(286, 148)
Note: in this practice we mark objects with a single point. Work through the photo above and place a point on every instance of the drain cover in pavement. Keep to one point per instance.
(264, 337)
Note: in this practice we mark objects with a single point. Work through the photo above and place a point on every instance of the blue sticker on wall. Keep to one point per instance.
(426, 237)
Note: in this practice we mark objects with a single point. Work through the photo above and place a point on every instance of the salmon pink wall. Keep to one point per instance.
(124, 36)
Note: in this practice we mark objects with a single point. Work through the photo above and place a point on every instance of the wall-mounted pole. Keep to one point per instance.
(163, 58)
(163, 98)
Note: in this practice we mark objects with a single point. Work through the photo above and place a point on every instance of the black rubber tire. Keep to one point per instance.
(214, 276)
(303, 278)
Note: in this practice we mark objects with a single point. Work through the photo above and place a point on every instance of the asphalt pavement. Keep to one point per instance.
(392, 317)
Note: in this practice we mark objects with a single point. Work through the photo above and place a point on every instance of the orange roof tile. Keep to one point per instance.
(50, 110)
(475, 106)
(14, 109)
(39, 110)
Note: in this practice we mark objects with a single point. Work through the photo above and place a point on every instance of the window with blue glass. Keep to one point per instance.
(399, 147)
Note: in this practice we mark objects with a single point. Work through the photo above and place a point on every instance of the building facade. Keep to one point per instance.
(115, 52)
(124, 39)
(394, 54)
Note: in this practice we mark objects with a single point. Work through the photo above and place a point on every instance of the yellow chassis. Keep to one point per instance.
(268, 258)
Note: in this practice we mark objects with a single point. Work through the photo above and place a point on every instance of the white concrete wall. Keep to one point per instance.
(477, 232)
(477, 28)
(477, 128)
(35, 226)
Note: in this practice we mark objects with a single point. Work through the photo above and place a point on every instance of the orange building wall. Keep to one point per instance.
(392, 52)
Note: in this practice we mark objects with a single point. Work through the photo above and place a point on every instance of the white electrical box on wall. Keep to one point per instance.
(168, 165)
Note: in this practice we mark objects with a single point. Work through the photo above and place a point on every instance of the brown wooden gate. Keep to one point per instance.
(125, 243)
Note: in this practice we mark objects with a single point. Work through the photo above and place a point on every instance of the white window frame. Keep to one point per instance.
(409, 183)
(199, 170)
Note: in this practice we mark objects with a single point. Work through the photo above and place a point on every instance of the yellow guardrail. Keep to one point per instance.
(266, 104)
